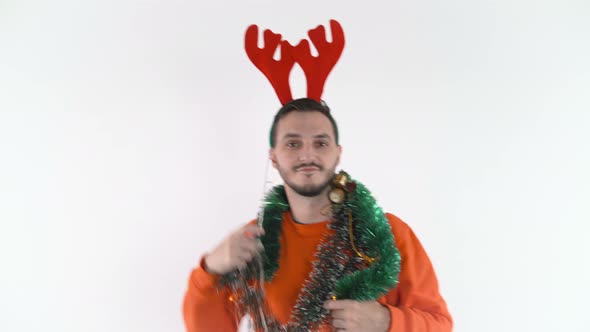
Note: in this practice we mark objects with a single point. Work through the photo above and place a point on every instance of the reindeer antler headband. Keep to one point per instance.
(316, 69)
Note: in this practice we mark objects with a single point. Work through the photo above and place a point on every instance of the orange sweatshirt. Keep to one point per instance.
(415, 305)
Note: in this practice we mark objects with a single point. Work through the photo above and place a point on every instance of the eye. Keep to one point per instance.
(293, 144)
(321, 144)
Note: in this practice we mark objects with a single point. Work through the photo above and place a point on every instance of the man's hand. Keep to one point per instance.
(235, 251)
(348, 315)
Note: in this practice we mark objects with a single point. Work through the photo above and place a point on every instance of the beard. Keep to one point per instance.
(308, 190)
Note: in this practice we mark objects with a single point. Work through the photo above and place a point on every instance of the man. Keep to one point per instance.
(305, 151)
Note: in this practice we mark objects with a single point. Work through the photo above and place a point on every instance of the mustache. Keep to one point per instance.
(296, 168)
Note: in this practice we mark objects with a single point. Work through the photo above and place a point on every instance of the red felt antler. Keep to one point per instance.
(318, 68)
(277, 72)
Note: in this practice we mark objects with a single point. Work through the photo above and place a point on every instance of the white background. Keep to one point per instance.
(133, 137)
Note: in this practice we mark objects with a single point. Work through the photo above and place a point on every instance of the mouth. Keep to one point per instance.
(309, 168)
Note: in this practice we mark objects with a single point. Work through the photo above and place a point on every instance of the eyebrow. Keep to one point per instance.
(292, 135)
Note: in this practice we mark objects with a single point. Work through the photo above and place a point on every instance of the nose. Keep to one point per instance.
(307, 153)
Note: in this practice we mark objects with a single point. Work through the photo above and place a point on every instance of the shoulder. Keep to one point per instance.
(401, 230)
(397, 225)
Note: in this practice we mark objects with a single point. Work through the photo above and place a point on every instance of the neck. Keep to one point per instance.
(308, 210)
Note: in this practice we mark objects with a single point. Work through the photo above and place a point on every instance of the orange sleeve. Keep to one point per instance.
(416, 303)
(205, 307)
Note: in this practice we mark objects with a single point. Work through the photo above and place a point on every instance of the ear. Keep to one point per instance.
(339, 154)
(273, 157)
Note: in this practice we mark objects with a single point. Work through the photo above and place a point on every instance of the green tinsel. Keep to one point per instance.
(337, 271)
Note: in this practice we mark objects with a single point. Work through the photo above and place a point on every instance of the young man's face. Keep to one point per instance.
(305, 152)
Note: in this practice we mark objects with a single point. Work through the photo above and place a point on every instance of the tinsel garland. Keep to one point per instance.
(337, 271)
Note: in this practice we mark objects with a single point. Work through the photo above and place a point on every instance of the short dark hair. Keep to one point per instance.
(301, 105)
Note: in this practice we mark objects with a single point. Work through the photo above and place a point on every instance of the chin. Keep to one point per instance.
(308, 189)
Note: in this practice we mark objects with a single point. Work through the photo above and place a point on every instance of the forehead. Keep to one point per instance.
(305, 124)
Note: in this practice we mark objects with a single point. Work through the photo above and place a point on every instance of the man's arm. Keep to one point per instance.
(205, 307)
(416, 303)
